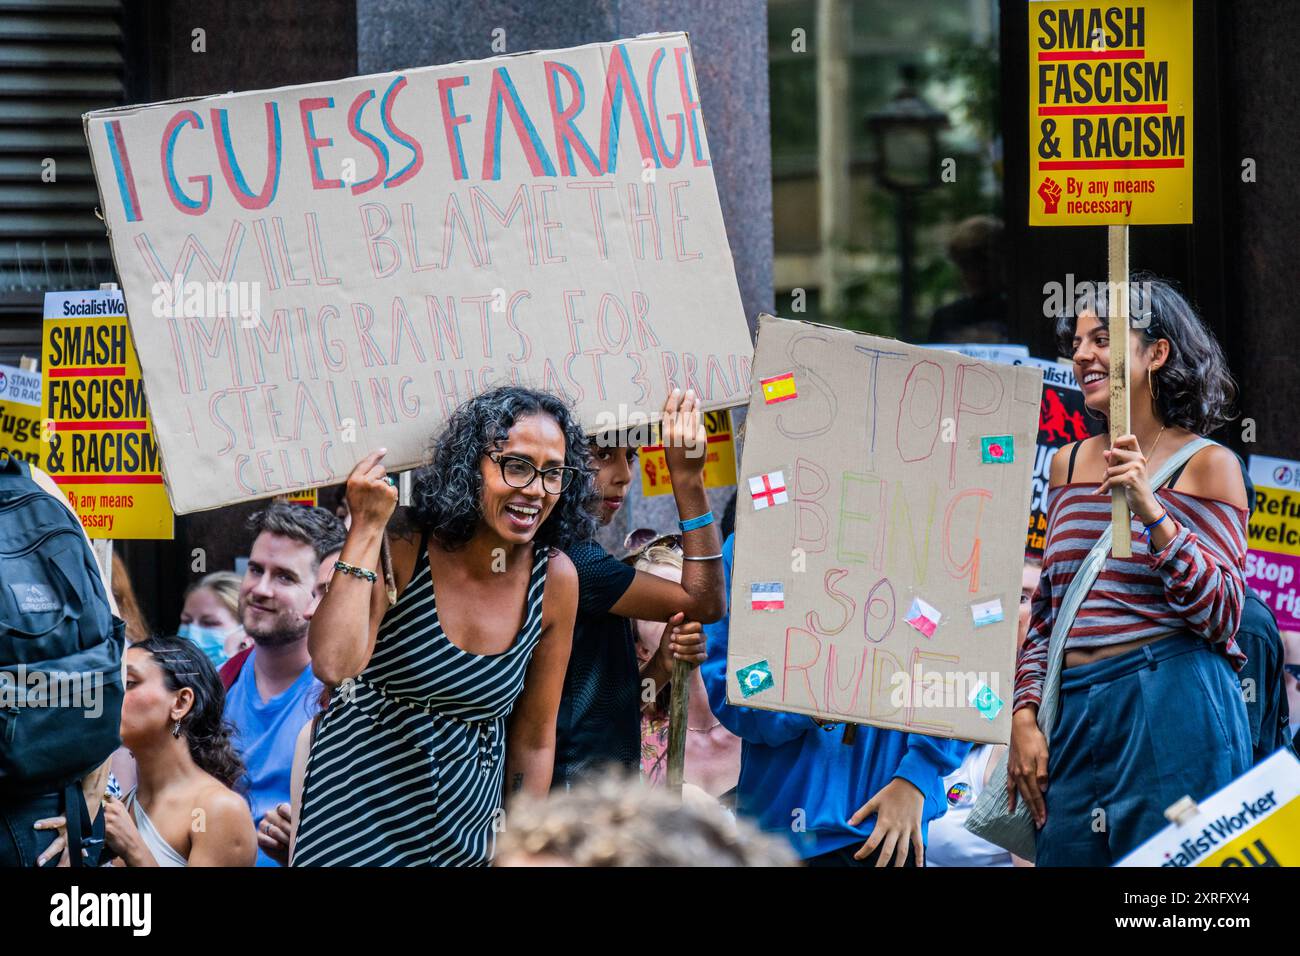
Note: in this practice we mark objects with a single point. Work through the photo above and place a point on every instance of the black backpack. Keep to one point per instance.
(60, 644)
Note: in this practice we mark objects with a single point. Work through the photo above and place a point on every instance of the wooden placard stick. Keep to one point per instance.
(1117, 308)
(677, 701)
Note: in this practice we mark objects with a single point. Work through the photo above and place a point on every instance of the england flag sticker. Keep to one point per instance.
(768, 490)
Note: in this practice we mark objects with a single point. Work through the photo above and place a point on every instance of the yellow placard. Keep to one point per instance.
(1253, 821)
(97, 436)
(20, 414)
(308, 497)
(1275, 842)
(1110, 113)
(1275, 523)
(719, 467)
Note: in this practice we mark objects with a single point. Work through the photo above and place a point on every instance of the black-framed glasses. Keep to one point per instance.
(520, 472)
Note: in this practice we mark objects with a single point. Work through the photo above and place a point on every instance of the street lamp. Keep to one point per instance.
(906, 136)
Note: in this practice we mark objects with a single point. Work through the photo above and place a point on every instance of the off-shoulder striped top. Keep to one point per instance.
(1195, 584)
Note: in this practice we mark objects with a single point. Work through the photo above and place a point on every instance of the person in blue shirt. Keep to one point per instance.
(275, 692)
(868, 803)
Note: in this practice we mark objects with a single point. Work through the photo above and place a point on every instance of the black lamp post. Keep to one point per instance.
(906, 135)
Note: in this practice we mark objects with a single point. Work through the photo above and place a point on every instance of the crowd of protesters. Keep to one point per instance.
(474, 677)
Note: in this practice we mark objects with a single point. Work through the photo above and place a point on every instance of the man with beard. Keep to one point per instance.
(272, 692)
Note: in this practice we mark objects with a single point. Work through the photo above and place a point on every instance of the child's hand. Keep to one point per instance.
(897, 806)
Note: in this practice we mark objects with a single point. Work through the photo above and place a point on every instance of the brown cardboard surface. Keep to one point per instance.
(317, 271)
(889, 499)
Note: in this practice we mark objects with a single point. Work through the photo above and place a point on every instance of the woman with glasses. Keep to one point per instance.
(453, 689)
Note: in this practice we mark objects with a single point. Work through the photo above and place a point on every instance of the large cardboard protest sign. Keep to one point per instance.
(884, 490)
(315, 271)
(20, 414)
(1110, 112)
(100, 444)
(1273, 535)
(1253, 821)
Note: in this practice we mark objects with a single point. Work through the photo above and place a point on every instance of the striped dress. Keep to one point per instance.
(408, 762)
(1195, 585)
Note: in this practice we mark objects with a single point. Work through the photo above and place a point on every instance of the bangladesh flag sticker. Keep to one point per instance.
(998, 449)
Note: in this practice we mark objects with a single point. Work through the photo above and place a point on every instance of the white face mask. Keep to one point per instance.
(209, 640)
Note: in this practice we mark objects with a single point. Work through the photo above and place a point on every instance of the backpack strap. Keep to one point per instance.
(229, 671)
(73, 807)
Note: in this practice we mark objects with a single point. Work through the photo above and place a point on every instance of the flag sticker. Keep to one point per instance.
(987, 612)
(768, 490)
(986, 702)
(998, 449)
(778, 388)
(755, 678)
(923, 617)
(766, 596)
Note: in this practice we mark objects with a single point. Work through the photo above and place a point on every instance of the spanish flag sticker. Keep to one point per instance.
(779, 388)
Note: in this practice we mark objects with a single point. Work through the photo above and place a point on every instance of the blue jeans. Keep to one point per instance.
(1134, 734)
(21, 846)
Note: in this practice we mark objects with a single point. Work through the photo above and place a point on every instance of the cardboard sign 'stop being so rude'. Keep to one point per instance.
(883, 495)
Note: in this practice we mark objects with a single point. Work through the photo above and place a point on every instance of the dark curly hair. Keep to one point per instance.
(204, 727)
(446, 493)
(1194, 389)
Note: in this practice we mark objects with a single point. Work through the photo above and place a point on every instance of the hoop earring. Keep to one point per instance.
(176, 728)
(1151, 385)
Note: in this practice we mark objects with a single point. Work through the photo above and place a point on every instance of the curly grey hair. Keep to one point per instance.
(616, 820)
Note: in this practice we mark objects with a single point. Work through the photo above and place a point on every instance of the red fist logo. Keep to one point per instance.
(1051, 195)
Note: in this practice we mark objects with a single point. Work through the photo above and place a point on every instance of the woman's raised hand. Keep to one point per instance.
(1126, 467)
(371, 492)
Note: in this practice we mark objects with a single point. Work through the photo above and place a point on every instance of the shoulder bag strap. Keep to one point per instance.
(1078, 590)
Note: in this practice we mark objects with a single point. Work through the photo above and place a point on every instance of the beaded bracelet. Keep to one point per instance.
(355, 571)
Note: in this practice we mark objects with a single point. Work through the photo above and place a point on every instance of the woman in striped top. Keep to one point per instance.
(435, 702)
(1150, 709)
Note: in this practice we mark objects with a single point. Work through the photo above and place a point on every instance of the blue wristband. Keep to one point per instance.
(691, 524)
(1151, 527)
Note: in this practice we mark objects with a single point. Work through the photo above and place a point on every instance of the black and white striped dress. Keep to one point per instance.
(407, 765)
